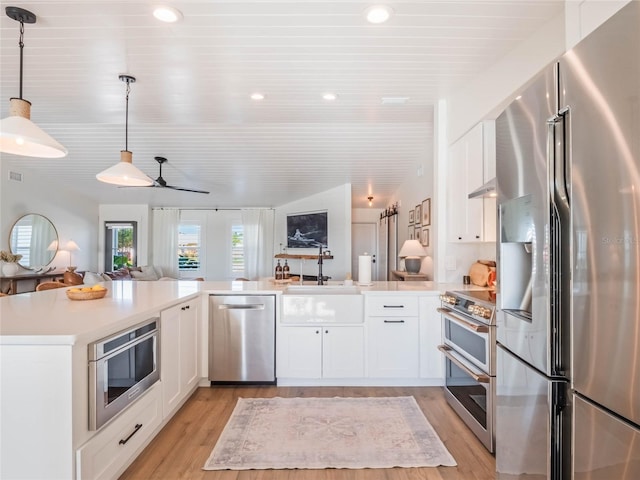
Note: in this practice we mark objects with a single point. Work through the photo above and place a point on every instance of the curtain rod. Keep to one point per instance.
(213, 209)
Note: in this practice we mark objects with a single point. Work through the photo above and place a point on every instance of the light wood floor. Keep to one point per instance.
(184, 444)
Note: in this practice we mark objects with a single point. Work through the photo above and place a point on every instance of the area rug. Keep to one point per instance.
(312, 433)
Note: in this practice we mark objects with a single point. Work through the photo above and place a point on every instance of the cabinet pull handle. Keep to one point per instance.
(185, 308)
(393, 306)
(135, 430)
(393, 321)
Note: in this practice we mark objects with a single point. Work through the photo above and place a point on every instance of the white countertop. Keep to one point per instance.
(49, 317)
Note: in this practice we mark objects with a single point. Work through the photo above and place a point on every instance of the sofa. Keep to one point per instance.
(143, 273)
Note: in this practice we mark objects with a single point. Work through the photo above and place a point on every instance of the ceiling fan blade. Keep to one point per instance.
(186, 189)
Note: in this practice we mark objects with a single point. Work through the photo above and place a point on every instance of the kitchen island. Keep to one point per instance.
(44, 373)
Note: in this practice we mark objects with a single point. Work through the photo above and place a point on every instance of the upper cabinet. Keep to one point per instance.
(472, 163)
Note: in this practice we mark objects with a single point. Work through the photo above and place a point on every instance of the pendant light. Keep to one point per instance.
(18, 134)
(124, 173)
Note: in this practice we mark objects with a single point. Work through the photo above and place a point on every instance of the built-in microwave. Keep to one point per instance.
(122, 367)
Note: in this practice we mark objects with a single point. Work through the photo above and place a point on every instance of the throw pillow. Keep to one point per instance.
(91, 278)
(148, 275)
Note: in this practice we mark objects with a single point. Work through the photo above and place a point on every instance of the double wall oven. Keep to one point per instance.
(469, 347)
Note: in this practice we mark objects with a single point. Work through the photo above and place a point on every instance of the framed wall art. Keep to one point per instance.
(411, 217)
(426, 212)
(307, 230)
(411, 232)
(418, 218)
(424, 237)
(416, 234)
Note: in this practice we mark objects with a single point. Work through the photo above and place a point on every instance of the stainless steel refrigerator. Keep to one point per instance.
(568, 181)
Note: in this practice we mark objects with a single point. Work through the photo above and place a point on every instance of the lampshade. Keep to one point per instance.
(18, 134)
(71, 246)
(53, 246)
(412, 251)
(412, 248)
(125, 173)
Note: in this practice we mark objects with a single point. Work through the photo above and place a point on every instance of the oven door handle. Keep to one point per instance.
(473, 326)
(478, 378)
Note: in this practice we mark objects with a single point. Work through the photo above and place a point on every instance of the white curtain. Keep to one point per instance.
(165, 240)
(257, 226)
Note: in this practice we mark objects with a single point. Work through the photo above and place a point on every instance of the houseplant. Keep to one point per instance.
(9, 263)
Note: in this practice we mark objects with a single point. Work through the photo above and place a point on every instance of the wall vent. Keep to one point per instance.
(15, 176)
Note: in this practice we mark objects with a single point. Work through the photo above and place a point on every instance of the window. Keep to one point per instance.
(120, 245)
(188, 247)
(237, 249)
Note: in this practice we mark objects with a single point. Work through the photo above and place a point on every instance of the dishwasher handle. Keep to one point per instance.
(241, 307)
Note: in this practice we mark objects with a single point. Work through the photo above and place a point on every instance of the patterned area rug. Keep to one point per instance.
(311, 433)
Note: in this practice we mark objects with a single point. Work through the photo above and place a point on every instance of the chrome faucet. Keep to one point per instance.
(320, 281)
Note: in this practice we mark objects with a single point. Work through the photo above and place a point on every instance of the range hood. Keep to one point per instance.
(487, 190)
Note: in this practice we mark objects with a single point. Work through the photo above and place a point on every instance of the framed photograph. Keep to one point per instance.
(411, 217)
(424, 237)
(307, 230)
(426, 212)
(416, 234)
(418, 219)
(411, 232)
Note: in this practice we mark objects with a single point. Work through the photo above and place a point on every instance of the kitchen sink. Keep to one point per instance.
(328, 304)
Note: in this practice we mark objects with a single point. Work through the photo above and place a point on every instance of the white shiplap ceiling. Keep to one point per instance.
(191, 100)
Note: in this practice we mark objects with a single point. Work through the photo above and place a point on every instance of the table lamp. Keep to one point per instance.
(71, 246)
(412, 252)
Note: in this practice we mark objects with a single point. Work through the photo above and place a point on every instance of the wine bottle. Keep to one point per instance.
(278, 271)
(285, 271)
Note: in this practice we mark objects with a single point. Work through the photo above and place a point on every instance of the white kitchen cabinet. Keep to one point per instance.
(178, 353)
(320, 351)
(431, 361)
(393, 337)
(106, 455)
(471, 164)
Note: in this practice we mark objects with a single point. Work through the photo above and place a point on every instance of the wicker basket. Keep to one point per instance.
(92, 295)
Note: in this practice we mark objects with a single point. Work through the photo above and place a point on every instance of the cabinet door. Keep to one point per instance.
(299, 352)
(466, 174)
(188, 332)
(178, 353)
(431, 361)
(393, 347)
(169, 354)
(343, 352)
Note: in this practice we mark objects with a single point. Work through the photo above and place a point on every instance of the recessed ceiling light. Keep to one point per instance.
(330, 96)
(257, 96)
(167, 14)
(378, 13)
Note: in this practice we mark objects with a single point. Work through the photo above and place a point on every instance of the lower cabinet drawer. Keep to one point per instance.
(391, 306)
(108, 451)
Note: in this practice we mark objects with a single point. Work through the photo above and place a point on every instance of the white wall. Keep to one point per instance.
(123, 213)
(584, 16)
(73, 216)
(418, 186)
(337, 203)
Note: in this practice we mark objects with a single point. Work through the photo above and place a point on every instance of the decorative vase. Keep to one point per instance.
(10, 269)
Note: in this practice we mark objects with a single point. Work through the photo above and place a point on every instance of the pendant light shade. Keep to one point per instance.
(18, 134)
(124, 173)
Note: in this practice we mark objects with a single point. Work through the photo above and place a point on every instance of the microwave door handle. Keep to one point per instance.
(478, 378)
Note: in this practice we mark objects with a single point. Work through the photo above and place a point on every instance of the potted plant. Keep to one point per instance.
(10, 263)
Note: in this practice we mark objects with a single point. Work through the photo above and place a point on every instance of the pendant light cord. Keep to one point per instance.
(126, 122)
(21, 45)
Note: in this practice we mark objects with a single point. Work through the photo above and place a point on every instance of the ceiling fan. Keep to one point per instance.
(162, 183)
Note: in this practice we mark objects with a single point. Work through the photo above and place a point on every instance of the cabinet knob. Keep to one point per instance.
(459, 238)
(326, 331)
(317, 331)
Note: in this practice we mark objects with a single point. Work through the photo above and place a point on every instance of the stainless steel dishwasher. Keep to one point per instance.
(242, 337)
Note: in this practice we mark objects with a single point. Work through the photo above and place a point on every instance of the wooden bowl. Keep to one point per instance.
(92, 295)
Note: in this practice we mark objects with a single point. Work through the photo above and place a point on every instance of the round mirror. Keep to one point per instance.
(36, 239)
